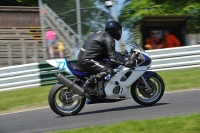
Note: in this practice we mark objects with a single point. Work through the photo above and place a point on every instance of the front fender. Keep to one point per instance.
(149, 74)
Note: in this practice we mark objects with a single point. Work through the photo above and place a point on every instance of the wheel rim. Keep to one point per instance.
(66, 106)
(149, 96)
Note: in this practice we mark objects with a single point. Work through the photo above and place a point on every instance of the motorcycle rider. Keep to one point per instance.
(99, 46)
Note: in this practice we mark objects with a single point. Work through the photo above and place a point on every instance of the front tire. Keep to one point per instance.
(142, 96)
(58, 103)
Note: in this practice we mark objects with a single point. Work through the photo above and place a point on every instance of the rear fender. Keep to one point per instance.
(57, 85)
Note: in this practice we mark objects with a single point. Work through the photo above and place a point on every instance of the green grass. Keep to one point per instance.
(182, 79)
(24, 98)
(38, 96)
(176, 124)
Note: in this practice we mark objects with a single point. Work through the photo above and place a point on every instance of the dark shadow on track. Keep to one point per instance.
(117, 109)
(121, 108)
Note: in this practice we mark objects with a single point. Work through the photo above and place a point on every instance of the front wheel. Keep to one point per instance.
(147, 97)
(58, 103)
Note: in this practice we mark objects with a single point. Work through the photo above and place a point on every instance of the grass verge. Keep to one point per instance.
(38, 96)
(176, 124)
(182, 79)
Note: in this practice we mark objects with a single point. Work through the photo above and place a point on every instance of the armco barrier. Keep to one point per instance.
(28, 75)
(41, 74)
(175, 58)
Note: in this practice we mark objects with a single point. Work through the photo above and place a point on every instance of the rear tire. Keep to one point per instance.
(143, 97)
(59, 106)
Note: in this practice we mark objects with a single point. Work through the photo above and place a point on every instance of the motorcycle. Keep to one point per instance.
(67, 97)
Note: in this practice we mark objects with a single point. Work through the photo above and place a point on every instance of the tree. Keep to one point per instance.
(136, 9)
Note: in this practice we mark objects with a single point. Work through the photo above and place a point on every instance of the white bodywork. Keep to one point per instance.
(124, 92)
(60, 64)
(124, 85)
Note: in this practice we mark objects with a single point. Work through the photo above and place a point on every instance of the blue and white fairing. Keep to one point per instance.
(146, 60)
(64, 65)
(141, 67)
(75, 70)
(60, 64)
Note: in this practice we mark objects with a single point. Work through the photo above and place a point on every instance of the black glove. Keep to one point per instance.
(130, 63)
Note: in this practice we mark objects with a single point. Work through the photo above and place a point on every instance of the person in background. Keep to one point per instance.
(151, 42)
(60, 48)
(170, 40)
(51, 40)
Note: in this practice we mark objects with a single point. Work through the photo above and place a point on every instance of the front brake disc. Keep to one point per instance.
(148, 94)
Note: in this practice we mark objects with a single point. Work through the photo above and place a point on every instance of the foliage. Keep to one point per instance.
(135, 10)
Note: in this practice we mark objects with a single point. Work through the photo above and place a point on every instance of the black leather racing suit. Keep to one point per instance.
(98, 46)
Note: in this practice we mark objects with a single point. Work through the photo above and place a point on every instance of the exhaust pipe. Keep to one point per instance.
(68, 83)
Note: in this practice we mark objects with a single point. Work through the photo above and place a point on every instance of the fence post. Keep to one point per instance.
(42, 13)
(9, 54)
(79, 22)
(35, 50)
(23, 47)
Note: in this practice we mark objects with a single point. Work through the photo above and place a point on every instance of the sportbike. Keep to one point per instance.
(67, 97)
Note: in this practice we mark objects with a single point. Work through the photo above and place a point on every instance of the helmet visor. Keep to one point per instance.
(118, 34)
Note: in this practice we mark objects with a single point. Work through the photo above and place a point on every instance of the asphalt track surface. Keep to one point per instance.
(43, 120)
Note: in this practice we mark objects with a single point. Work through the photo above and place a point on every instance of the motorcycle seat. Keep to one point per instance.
(75, 66)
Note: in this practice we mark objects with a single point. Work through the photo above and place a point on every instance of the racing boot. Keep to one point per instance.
(89, 86)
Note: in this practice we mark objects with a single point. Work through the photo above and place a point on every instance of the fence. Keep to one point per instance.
(63, 32)
(20, 36)
(80, 18)
(20, 32)
(41, 74)
(20, 45)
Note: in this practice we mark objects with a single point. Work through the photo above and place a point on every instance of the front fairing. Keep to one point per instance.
(145, 60)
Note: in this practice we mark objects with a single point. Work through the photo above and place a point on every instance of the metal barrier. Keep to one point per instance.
(175, 58)
(28, 75)
(41, 74)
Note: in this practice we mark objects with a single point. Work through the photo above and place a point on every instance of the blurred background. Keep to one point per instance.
(24, 23)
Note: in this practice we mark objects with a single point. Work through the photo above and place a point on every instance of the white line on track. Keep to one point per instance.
(48, 107)
(183, 90)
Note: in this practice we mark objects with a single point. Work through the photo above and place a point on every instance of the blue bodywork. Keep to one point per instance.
(147, 60)
(148, 74)
(77, 72)
(108, 62)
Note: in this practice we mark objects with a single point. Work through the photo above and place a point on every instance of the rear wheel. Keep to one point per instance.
(147, 97)
(60, 105)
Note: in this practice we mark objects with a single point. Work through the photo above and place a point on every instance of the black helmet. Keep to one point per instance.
(114, 29)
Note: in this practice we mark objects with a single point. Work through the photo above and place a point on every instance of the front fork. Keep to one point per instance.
(147, 75)
(148, 88)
